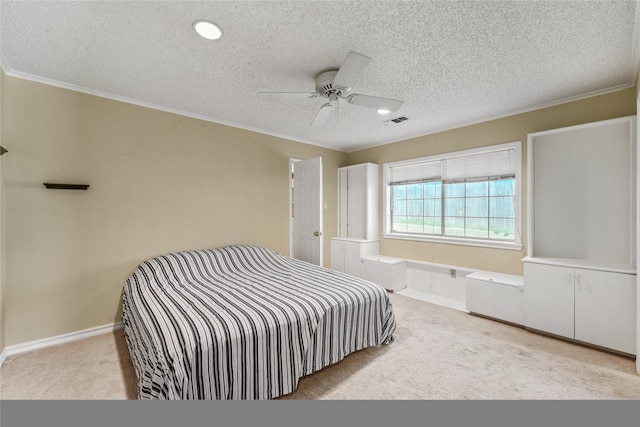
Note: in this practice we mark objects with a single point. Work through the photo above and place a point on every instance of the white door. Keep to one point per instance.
(307, 210)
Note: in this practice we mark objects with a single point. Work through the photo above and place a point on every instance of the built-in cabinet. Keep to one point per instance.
(358, 201)
(389, 272)
(347, 254)
(580, 270)
(588, 305)
(358, 233)
(496, 295)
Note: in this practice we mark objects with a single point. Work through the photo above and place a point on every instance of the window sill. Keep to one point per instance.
(454, 241)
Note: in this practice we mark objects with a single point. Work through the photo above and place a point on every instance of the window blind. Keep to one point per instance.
(415, 172)
(492, 164)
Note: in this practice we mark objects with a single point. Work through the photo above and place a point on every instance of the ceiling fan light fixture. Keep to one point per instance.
(207, 29)
(336, 85)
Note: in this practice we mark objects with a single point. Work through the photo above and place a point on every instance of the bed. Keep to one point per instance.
(244, 322)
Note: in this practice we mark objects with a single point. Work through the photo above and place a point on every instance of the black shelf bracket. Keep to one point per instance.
(66, 186)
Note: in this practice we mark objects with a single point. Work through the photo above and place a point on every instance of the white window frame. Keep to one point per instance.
(515, 245)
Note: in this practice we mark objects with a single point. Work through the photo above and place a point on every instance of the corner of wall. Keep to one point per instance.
(638, 86)
(2, 231)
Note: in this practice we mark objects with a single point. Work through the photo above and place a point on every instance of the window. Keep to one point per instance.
(469, 197)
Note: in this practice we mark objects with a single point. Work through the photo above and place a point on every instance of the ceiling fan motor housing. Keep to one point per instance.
(326, 87)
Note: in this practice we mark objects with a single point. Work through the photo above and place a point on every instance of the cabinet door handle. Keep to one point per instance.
(317, 233)
(575, 279)
(571, 281)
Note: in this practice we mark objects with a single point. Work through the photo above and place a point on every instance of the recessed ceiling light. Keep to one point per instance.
(383, 111)
(207, 29)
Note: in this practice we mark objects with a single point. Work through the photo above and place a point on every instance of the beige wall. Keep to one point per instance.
(509, 129)
(159, 182)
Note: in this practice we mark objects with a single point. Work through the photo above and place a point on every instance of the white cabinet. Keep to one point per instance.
(357, 218)
(358, 201)
(389, 272)
(549, 299)
(592, 306)
(497, 295)
(605, 309)
(581, 192)
(581, 185)
(580, 269)
(347, 254)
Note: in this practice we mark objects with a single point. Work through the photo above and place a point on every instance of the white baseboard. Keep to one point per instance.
(59, 339)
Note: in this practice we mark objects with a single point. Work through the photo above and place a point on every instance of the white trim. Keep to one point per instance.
(596, 124)
(530, 192)
(502, 116)
(585, 264)
(497, 244)
(60, 339)
(184, 113)
(76, 88)
(3, 357)
(292, 162)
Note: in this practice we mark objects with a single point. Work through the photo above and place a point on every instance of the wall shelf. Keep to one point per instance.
(66, 186)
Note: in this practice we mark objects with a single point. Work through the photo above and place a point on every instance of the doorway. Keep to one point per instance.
(305, 210)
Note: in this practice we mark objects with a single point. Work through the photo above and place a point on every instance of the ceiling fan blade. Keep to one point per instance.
(374, 102)
(322, 115)
(351, 68)
(287, 95)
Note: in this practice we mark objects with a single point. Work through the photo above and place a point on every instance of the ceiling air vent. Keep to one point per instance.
(399, 119)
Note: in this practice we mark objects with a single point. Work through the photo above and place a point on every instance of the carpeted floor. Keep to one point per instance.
(439, 354)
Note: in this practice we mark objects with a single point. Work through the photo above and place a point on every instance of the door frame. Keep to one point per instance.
(292, 162)
(637, 242)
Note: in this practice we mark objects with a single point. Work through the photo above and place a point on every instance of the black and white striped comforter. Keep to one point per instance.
(243, 322)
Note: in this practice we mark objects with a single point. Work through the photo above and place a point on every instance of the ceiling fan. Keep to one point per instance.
(335, 85)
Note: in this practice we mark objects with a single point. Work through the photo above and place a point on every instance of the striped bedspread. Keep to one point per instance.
(244, 322)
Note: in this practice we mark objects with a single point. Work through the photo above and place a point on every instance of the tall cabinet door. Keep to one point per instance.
(343, 197)
(605, 309)
(357, 202)
(549, 299)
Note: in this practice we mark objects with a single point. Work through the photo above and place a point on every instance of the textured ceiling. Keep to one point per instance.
(452, 63)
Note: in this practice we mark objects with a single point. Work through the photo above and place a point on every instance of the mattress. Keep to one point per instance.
(244, 322)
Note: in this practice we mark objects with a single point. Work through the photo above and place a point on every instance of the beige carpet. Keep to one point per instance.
(439, 354)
